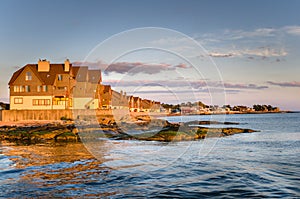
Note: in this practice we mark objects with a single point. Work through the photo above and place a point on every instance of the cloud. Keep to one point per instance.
(244, 86)
(139, 67)
(256, 33)
(285, 84)
(181, 66)
(261, 43)
(218, 54)
(242, 34)
(293, 30)
(162, 83)
(181, 84)
(262, 52)
(98, 64)
(184, 91)
(265, 52)
(131, 68)
(172, 41)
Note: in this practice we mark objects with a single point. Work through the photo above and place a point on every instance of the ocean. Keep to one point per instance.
(263, 164)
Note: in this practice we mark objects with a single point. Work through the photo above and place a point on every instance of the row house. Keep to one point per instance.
(105, 96)
(111, 99)
(137, 104)
(134, 104)
(119, 100)
(85, 92)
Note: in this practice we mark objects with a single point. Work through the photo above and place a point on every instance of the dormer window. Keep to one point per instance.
(59, 77)
(28, 76)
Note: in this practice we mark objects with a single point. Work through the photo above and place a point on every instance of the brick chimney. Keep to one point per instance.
(43, 65)
(67, 65)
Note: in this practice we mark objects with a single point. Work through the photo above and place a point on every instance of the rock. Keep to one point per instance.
(147, 128)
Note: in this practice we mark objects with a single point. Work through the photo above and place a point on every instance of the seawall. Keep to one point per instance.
(23, 115)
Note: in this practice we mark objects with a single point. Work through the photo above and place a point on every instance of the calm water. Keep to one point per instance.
(260, 164)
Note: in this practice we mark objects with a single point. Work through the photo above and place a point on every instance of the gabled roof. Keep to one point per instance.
(116, 94)
(75, 70)
(81, 73)
(107, 88)
(146, 103)
(49, 77)
(94, 76)
(16, 74)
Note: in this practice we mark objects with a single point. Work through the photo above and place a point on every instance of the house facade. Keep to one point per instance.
(47, 86)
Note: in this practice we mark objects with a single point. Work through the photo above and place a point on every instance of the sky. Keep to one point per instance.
(219, 52)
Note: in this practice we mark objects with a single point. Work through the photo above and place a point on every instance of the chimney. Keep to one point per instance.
(67, 65)
(43, 65)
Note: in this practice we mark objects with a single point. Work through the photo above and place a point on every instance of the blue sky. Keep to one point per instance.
(252, 45)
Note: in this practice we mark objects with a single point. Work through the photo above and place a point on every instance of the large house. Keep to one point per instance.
(46, 86)
(52, 86)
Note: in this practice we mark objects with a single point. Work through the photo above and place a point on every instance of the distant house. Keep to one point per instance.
(45, 86)
(105, 96)
(146, 105)
(134, 104)
(86, 90)
(119, 100)
(149, 106)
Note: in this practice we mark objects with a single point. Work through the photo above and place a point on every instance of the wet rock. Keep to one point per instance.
(138, 128)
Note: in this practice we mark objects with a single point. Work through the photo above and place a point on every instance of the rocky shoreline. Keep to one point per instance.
(138, 128)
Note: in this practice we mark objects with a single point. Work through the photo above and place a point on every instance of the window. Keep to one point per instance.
(39, 88)
(45, 88)
(60, 101)
(27, 89)
(41, 102)
(28, 76)
(35, 102)
(62, 88)
(18, 89)
(59, 77)
(18, 100)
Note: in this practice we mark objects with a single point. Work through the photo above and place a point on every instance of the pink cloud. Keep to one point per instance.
(285, 84)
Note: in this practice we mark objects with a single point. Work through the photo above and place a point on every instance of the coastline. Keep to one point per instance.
(149, 128)
(232, 113)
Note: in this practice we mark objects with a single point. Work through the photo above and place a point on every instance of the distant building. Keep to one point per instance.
(119, 100)
(105, 96)
(134, 104)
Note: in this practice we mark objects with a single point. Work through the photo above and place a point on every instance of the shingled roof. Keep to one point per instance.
(81, 74)
(49, 77)
(16, 74)
(94, 76)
